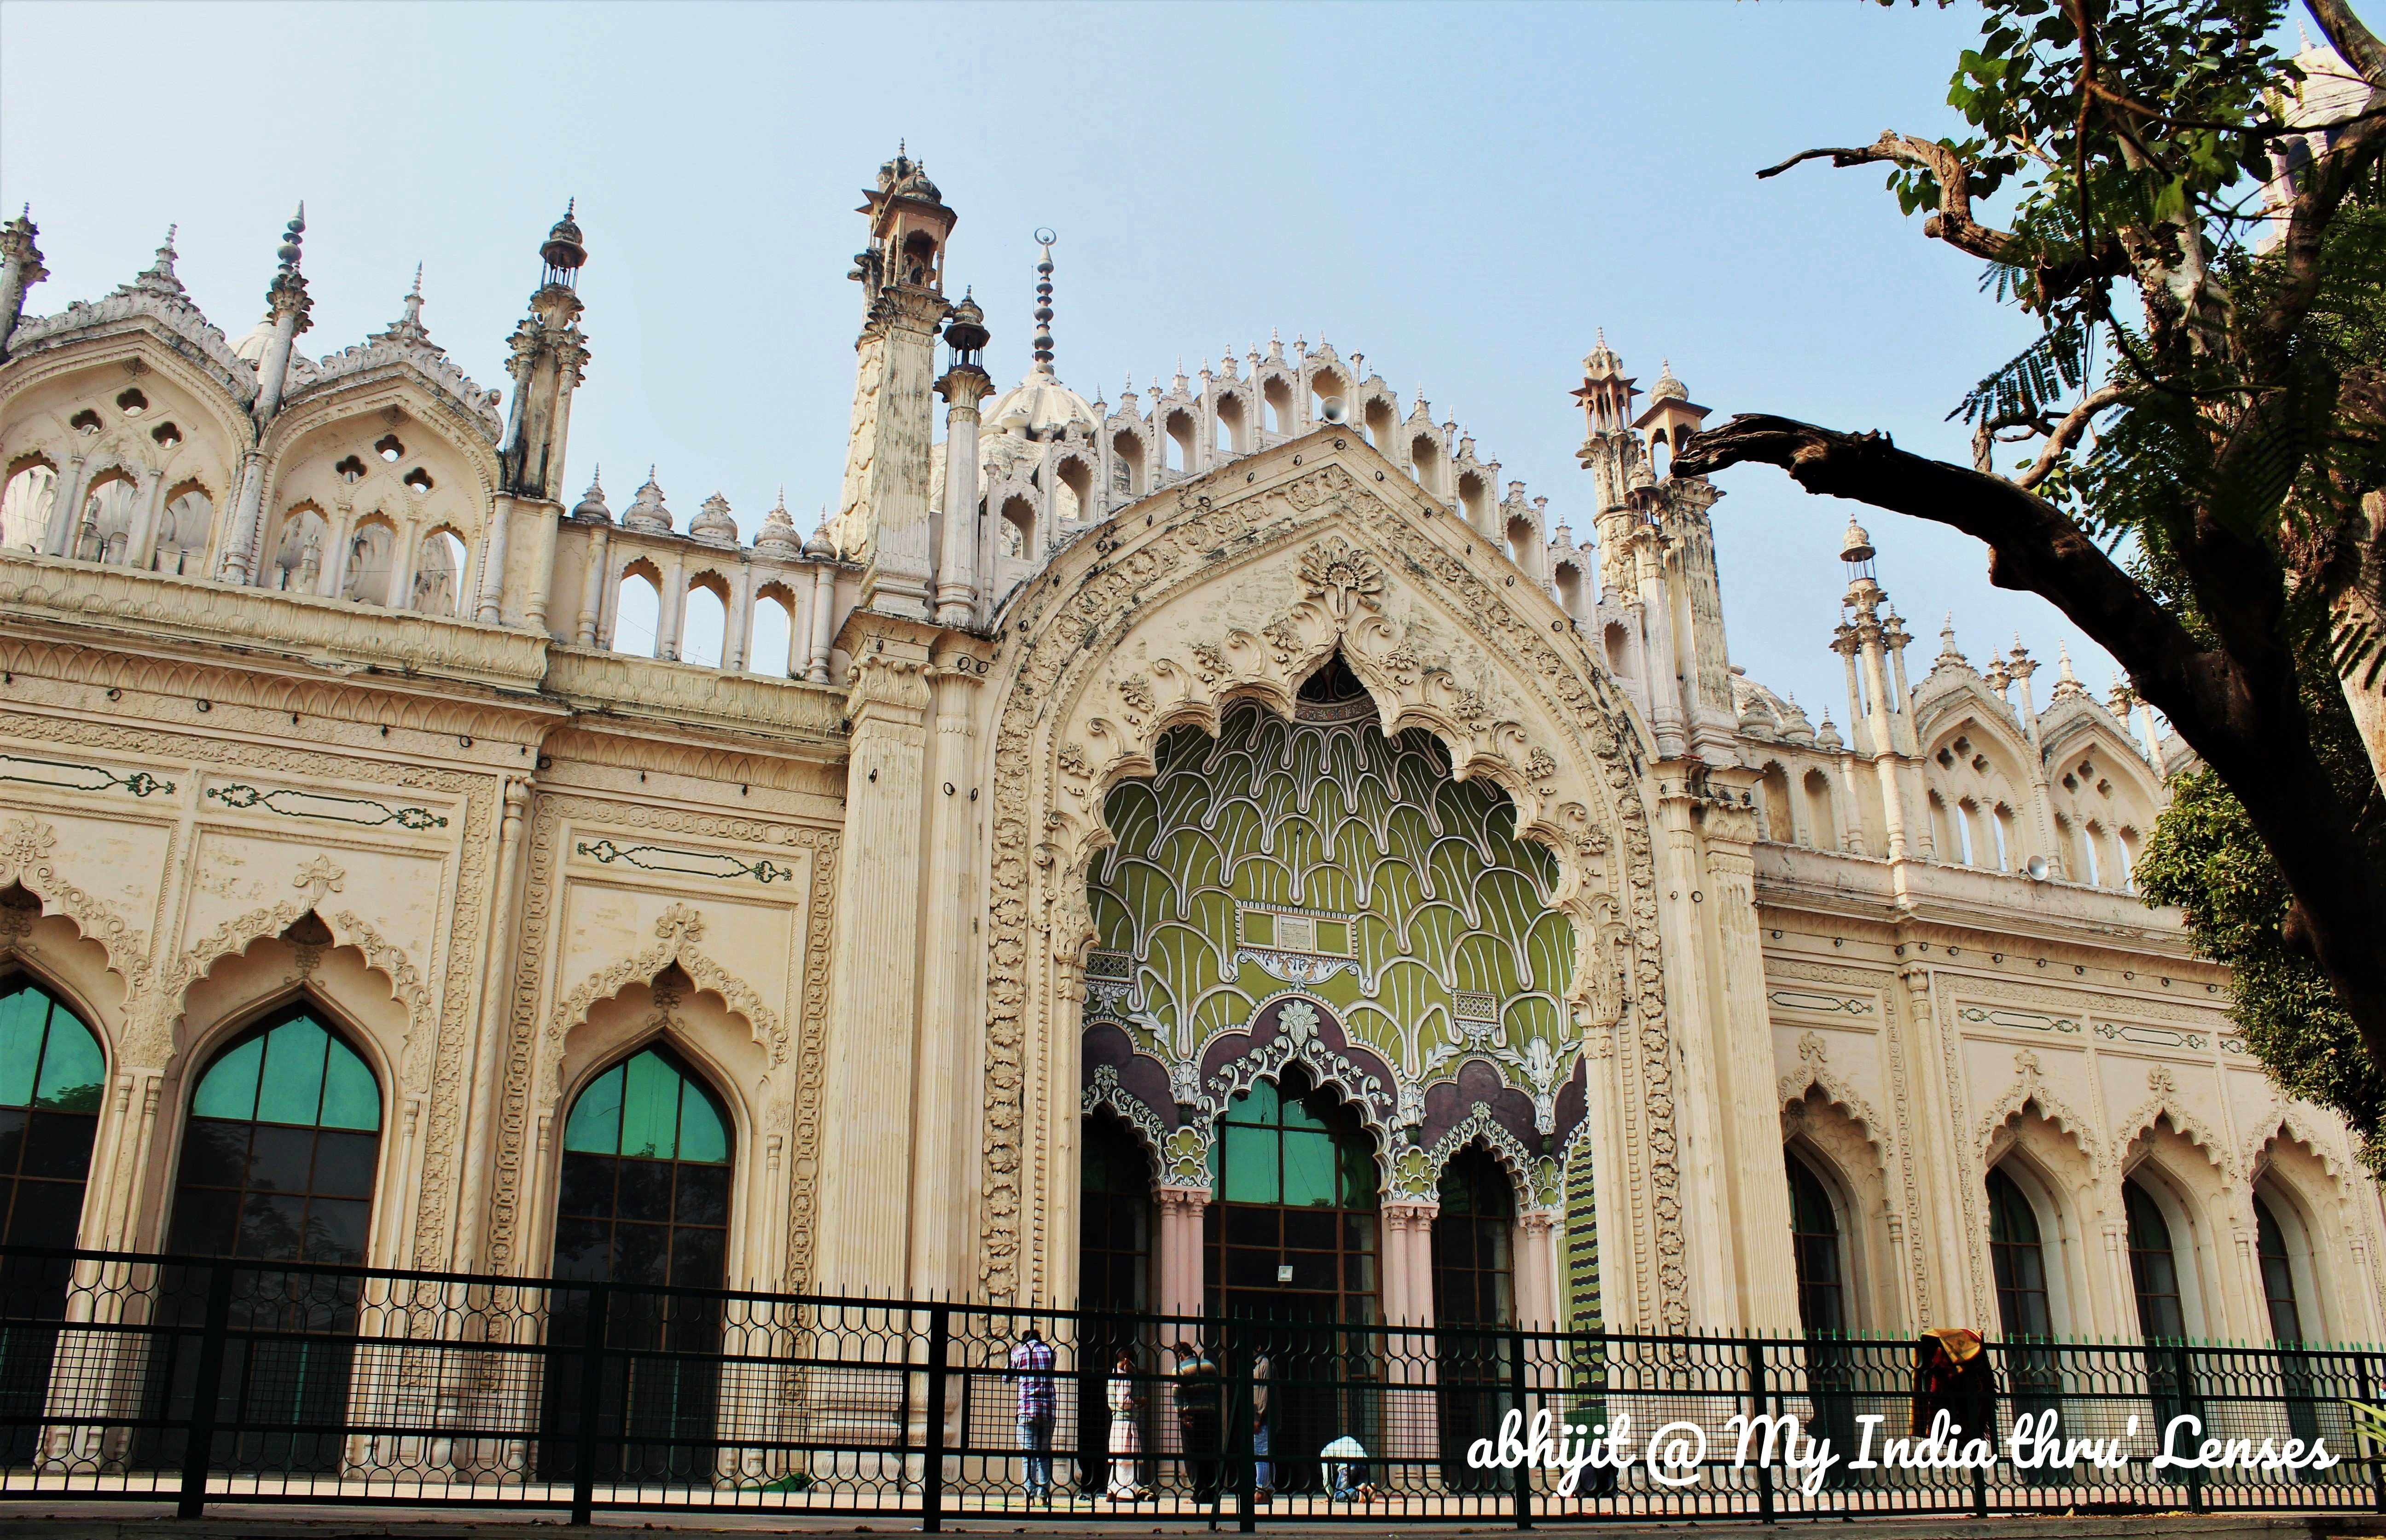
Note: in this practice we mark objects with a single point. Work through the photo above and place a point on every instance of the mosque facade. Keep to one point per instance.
(1227, 849)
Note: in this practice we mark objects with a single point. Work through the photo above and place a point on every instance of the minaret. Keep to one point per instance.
(1862, 640)
(1609, 451)
(20, 269)
(963, 386)
(1679, 506)
(883, 512)
(289, 309)
(550, 358)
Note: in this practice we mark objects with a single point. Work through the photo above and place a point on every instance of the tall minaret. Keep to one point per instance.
(20, 269)
(550, 358)
(290, 311)
(1609, 451)
(883, 513)
(1876, 715)
(963, 386)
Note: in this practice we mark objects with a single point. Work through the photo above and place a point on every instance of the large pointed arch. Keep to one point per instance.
(1236, 585)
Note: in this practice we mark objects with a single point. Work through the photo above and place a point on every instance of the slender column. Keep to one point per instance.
(957, 556)
(865, 1209)
(405, 561)
(823, 620)
(947, 1158)
(1945, 1242)
(1751, 1116)
(592, 585)
(1411, 1430)
(142, 549)
(1715, 1276)
(490, 610)
(1180, 1248)
(672, 610)
(340, 534)
(495, 1027)
(240, 557)
(1536, 1269)
(66, 506)
(1657, 611)
(740, 621)
(542, 562)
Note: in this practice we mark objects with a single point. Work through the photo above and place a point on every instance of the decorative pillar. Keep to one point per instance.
(738, 621)
(245, 527)
(490, 610)
(948, 1074)
(963, 386)
(1952, 1222)
(1412, 1430)
(869, 1145)
(542, 564)
(20, 269)
(592, 585)
(1717, 1281)
(673, 611)
(339, 533)
(1179, 1248)
(495, 1028)
(824, 619)
(66, 506)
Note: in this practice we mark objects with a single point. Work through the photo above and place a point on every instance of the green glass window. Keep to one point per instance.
(51, 1077)
(1295, 1173)
(282, 1147)
(645, 1193)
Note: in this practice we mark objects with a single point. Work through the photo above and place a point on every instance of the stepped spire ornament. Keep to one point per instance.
(1044, 237)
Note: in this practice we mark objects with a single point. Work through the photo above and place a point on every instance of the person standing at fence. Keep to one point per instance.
(1952, 1374)
(1200, 1399)
(1263, 1470)
(1127, 1432)
(1031, 1366)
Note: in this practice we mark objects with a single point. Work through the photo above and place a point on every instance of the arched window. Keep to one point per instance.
(1816, 1242)
(1290, 1237)
(1821, 828)
(771, 649)
(645, 1194)
(2153, 1265)
(2278, 1274)
(2018, 1256)
(704, 624)
(183, 531)
(637, 613)
(1115, 1222)
(25, 506)
(438, 575)
(51, 1078)
(281, 1147)
(299, 555)
(1474, 1285)
(104, 532)
(644, 1200)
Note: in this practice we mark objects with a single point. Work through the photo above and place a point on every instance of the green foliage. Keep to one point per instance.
(2204, 857)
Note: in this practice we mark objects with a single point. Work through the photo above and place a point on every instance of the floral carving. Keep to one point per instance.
(1346, 581)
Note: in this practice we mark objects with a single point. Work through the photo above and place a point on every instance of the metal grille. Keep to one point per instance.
(189, 1381)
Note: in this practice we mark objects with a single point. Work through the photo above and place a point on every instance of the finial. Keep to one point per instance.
(417, 290)
(1043, 341)
(569, 205)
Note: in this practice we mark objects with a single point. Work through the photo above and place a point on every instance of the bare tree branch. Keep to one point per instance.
(2356, 43)
(2067, 433)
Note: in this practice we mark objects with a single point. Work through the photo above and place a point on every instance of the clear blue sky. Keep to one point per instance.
(1462, 193)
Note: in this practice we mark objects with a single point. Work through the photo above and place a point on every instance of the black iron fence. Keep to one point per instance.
(190, 1381)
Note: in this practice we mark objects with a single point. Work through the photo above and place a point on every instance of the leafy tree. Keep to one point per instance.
(2226, 428)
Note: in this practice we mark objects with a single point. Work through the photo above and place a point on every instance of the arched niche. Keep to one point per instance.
(1837, 1147)
(1235, 586)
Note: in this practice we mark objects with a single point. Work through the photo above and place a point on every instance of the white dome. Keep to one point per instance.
(1039, 406)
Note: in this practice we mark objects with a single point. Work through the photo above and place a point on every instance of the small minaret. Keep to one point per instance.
(550, 359)
(20, 269)
(1609, 451)
(883, 511)
(1866, 631)
(291, 312)
(963, 386)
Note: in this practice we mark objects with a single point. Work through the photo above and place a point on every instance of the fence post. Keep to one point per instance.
(1518, 1387)
(592, 1395)
(932, 1474)
(207, 1390)
(2378, 1461)
(1757, 1395)
(1243, 1419)
(2189, 1401)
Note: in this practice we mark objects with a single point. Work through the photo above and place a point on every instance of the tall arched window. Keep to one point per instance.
(1290, 1238)
(2278, 1274)
(278, 1158)
(1474, 1285)
(183, 533)
(26, 506)
(2018, 1256)
(644, 1200)
(1816, 1242)
(644, 1196)
(2153, 1265)
(51, 1077)
(279, 1154)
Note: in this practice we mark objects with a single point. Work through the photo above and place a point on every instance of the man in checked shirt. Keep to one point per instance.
(1031, 1366)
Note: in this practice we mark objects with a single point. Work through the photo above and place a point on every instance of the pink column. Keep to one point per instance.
(1537, 1261)
(1411, 1431)
(1180, 1248)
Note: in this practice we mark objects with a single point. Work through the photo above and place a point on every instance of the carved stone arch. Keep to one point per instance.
(665, 1026)
(402, 387)
(26, 844)
(2293, 1121)
(30, 367)
(1288, 1028)
(1127, 632)
(1150, 1129)
(1479, 1126)
(21, 916)
(1815, 1072)
(2165, 1105)
(2027, 1093)
(677, 931)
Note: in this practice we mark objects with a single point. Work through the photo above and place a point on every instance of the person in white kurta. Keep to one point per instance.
(1127, 1432)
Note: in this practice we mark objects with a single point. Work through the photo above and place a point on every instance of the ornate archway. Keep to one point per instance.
(1236, 586)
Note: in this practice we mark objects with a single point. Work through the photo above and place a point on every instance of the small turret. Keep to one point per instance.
(592, 504)
(20, 269)
(289, 312)
(713, 523)
(550, 358)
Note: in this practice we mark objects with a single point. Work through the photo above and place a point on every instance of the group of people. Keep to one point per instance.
(1200, 1420)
